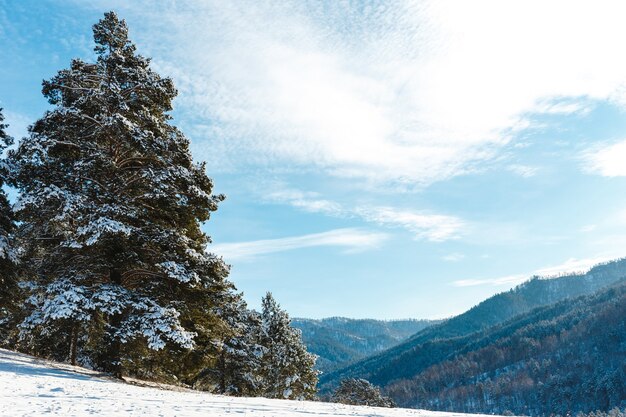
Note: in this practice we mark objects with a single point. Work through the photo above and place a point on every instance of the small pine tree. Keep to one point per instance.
(8, 285)
(242, 354)
(287, 368)
(237, 368)
(111, 205)
(353, 391)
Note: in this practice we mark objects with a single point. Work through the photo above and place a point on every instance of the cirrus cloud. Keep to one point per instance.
(570, 266)
(352, 240)
(423, 225)
(414, 93)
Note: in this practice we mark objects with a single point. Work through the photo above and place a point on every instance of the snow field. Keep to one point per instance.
(33, 387)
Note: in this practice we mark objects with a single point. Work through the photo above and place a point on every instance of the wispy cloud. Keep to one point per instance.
(423, 225)
(607, 161)
(414, 93)
(453, 257)
(307, 201)
(432, 227)
(563, 105)
(507, 280)
(523, 171)
(570, 266)
(351, 240)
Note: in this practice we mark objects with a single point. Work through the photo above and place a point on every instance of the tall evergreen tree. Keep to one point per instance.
(111, 205)
(287, 368)
(8, 287)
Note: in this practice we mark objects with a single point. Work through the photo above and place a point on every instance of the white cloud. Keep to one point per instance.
(352, 240)
(427, 226)
(607, 161)
(558, 106)
(415, 92)
(307, 201)
(523, 171)
(432, 227)
(570, 266)
(507, 280)
(453, 257)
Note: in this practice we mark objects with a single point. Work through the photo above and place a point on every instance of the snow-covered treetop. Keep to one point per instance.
(106, 164)
(111, 34)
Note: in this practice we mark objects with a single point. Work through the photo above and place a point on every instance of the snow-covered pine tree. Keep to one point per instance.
(205, 312)
(287, 368)
(111, 205)
(357, 391)
(236, 370)
(240, 356)
(8, 285)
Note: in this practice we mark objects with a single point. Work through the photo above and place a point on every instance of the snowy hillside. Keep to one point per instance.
(32, 387)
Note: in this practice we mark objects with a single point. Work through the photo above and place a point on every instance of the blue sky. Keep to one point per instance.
(380, 159)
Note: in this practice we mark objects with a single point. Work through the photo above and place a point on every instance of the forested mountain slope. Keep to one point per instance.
(437, 343)
(339, 341)
(559, 359)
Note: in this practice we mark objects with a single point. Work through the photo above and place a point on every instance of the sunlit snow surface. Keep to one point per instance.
(32, 387)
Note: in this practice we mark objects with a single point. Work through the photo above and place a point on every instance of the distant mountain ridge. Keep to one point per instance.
(339, 341)
(562, 359)
(439, 342)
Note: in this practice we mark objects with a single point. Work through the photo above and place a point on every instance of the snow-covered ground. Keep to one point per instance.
(33, 387)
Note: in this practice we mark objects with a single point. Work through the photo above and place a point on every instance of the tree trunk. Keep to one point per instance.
(73, 344)
(222, 366)
(114, 349)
